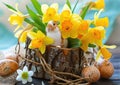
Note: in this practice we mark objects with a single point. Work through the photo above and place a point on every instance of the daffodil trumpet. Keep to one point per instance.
(104, 52)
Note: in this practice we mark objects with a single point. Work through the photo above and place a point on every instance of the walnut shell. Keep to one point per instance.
(92, 73)
(106, 69)
(12, 57)
(8, 67)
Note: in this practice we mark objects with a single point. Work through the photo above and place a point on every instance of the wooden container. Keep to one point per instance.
(70, 60)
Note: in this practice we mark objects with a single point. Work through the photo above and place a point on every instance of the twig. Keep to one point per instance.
(30, 60)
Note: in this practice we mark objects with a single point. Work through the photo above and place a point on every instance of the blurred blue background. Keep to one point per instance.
(7, 38)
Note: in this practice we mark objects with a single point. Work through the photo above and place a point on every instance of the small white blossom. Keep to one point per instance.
(25, 75)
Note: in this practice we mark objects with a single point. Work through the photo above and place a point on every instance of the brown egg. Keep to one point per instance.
(92, 73)
(12, 57)
(8, 67)
(106, 69)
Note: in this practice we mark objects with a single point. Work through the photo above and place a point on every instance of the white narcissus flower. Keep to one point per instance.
(24, 75)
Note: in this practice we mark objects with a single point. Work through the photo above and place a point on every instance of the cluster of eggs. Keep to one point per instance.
(94, 73)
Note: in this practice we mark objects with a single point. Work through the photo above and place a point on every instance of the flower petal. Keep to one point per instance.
(110, 47)
(42, 49)
(48, 40)
(24, 81)
(25, 69)
(29, 79)
(30, 73)
(19, 72)
(106, 54)
(55, 6)
(31, 35)
(44, 8)
(66, 7)
(18, 78)
(23, 37)
(40, 34)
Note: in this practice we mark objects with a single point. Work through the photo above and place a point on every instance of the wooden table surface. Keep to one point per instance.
(114, 80)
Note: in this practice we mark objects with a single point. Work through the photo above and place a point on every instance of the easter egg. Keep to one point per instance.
(106, 69)
(8, 67)
(12, 57)
(92, 73)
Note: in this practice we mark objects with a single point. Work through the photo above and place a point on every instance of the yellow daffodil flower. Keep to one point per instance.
(39, 40)
(17, 18)
(66, 13)
(83, 28)
(50, 13)
(99, 4)
(69, 23)
(105, 52)
(22, 34)
(100, 21)
(96, 35)
(69, 27)
(85, 42)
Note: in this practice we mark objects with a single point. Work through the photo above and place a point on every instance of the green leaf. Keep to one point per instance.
(91, 45)
(74, 43)
(84, 11)
(30, 22)
(36, 19)
(37, 6)
(75, 6)
(10, 7)
(68, 3)
(35, 29)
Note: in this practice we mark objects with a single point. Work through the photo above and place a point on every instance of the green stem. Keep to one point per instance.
(75, 6)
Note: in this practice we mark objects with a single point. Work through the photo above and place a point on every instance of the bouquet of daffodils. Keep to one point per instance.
(47, 26)
(64, 29)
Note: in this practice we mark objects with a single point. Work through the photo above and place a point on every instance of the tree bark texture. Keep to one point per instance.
(70, 60)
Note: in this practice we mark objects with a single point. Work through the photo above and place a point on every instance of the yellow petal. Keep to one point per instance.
(56, 17)
(55, 6)
(106, 54)
(85, 42)
(44, 8)
(65, 34)
(74, 34)
(66, 7)
(42, 49)
(48, 40)
(40, 34)
(99, 4)
(98, 42)
(45, 19)
(84, 46)
(31, 35)
(30, 46)
(102, 22)
(23, 37)
(65, 15)
(110, 47)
